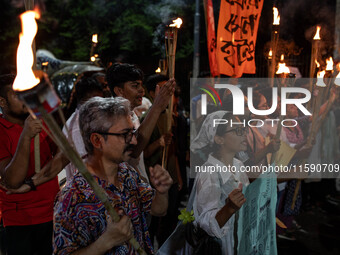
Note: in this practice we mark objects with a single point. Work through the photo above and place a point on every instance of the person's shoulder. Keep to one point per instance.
(5, 124)
(75, 192)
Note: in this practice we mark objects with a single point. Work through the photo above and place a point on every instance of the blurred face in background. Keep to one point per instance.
(13, 107)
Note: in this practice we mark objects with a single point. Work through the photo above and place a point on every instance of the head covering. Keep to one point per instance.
(207, 132)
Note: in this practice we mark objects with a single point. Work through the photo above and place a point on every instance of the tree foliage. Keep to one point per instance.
(128, 28)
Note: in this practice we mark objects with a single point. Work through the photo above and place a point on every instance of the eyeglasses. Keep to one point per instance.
(127, 135)
(239, 131)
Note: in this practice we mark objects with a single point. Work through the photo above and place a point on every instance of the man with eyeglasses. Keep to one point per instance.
(80, 222)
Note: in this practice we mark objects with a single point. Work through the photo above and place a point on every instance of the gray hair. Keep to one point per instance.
(99, 115)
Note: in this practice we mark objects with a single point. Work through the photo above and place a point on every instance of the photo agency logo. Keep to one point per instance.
(239, 107)
(207, 88)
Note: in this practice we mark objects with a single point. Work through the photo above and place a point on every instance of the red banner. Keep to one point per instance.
(211, 36)
(236, 36)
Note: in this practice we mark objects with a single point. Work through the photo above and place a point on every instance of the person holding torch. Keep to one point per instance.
(81, 225)
(27, 217)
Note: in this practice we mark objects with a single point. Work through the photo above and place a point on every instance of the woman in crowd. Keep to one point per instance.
(219, 194)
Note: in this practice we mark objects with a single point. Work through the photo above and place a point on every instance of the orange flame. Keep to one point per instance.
(95, 38)
(282, 57)
(282, 68)
(270, 54)
(317, 34)
(176, 23)
(158, 70)
(320, 81)
(25, 78)
(317, 63)
(329, 62)
(276, 20)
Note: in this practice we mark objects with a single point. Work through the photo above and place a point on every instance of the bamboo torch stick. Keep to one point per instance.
(170, 46)
(38, 94)
(329, 78)
(284, 75)
(313, 131)
(313, 60)
(93, 46)
(29, 5)
(274, 42)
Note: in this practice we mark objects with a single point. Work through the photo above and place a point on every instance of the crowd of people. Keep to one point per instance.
(140, 158)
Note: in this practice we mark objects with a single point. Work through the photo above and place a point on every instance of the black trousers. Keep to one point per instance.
(30, 240)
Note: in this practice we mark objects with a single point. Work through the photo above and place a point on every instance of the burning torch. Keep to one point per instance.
(35, 89)
(285, 79)
(313, 131)
(314, 57)
(93, 46)
(274, 42)
(170, 47)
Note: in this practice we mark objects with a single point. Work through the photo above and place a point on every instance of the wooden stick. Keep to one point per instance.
(314, 56)
(171, 44)
(274, 43)
(74, 157)
(311, 136)
(37, 154)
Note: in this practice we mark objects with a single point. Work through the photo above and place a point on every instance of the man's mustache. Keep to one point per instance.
(129, 147)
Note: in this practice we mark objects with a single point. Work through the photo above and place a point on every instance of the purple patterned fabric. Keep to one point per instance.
(80, 218)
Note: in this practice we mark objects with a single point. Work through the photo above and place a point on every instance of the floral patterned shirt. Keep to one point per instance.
(80, 218)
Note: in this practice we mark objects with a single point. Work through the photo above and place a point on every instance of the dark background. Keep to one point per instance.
(133, 31)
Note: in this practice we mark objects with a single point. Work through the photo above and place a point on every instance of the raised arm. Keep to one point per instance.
(147, 126)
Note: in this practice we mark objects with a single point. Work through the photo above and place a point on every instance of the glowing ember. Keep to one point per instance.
(158, 70)
(282, 57)
(338, 67)
(276, 20)
(317, 63)
(270, 54)
(44, 64)
(329, 66)
(176, 23)
(95, 38)
(282, 68)
(317, 34)
(25, 78)
(320, 81)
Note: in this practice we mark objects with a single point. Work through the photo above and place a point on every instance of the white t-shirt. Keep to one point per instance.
(140, 165)
(74, 137)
